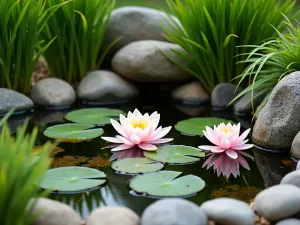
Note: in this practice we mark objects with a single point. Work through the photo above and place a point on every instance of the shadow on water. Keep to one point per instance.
(266, 170)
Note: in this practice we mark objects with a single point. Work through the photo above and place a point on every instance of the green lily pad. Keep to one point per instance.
(175, 154)
(195, 126)
(136, 165)
(72, 131)
(72, 179)
(94, 116)
(167, 184)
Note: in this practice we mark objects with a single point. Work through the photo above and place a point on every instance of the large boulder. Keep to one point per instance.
(279, 121)
(103, 86)
(12, 99)
(134, 23)
(144, 61)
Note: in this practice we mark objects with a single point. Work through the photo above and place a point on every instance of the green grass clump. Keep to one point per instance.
(212, 30)
(20, 47)
(21, 170)
(270, 62)
(79, 28)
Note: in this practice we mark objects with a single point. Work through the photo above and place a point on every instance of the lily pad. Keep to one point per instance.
(167, 184)
(175, 154)
(93, 116)
(195, 126)
(72, 131)
(136, 165)
(72, 179)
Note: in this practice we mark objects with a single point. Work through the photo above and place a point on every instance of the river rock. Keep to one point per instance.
(53, 92)
(173, 212)
(134, 23)
(290, 221)
(143, 61)
(223, 94)
(292, 178)
(298, 166)
(278, 202)
(52, 212)
(279, 120)
(295, 149)
(227, 211)
(12, 99)
(191, 94)
(112, 215)
(103, 86)
(243, 106)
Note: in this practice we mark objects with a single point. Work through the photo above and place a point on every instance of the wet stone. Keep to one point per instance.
(227, 211)
(173, 212)
(286, 197)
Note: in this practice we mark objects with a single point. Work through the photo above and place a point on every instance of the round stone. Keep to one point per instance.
(173, 212)
(298, 166)
(278, 202)
(292, 178)
(227, 211)
(109, 215)
(290, 221)
(295, 149)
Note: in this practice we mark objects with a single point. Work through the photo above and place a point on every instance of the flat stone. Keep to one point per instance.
(134, 23)
(173, 212)
(52, 212)
(290, 221)
(12, 99)
(223, 94)
(191, 94)
(278, 202)
(103, 86)
(143, 61)
(112, 215)
(279, 121)
(53, 92)
(243, 106)
(292, 178)
(227, 211)
(295, 149)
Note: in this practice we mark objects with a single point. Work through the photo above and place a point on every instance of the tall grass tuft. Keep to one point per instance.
(21, 170)
(79, 28)
(270, 62)
(21, 22)
(210, 32)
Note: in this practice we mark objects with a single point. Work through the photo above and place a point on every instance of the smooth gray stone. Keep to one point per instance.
(292, 178)
(173, 212)
(290, 221)
(11, 99)
(295, 149)
(298, 166)
(278, 202)
(227, 211)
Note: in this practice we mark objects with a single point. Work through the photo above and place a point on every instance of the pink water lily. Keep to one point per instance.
(138, 130)
(226, 138)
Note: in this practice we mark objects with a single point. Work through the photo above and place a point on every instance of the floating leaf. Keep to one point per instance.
(72, 179)
(166, 184)
(177, 154)
(73, 132)
(195, 126)
(136, 165)
(93, 116)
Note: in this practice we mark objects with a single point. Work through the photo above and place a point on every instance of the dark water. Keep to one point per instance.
(266, 170)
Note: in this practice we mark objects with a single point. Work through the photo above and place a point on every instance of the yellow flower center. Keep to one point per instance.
(226, 131)
(140, 125)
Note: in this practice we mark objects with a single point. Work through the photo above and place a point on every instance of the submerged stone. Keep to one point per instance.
(223, 94)
(292, 178)
(228, 211)
(144, 61)
(278, 202)
(112, 215)
(12, 99)
(53, 92)
(290, 221)
(173, 212)
(103, 86)
(191, 94)
(279, 121)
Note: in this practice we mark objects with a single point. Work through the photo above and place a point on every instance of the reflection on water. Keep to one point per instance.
(116, 190)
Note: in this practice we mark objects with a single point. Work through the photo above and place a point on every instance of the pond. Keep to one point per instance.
(267, 169)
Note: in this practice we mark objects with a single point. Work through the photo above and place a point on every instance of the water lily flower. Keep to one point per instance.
(226, 138)
(138, 130)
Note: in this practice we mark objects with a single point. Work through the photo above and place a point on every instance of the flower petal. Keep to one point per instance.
(209, 147)
(135, 139)
(147, 147)
(121, 147)
(112, 139)
(162, 133)
(232, 154)
(124, 140)
(160, 141)
(243, 147)
(244, 135)
(225, 143)
(118, 127)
